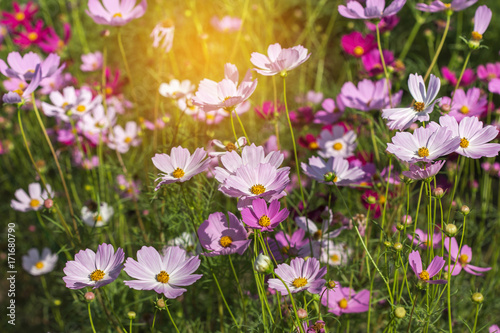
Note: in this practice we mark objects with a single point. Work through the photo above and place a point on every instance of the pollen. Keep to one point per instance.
(231, 146)
(225, 241)
(464, 109)
(463, 259)
(128, 139)
(178, 173)
(337, 146)
(359, 51)
(162, 277)
(32, 36)
(117, 15)
(335, 258)
(81, 108)
(20, 17)
(476, 36)
(464, 143)
(313, 145)
(257, 189)
(97, 275)
(34, 203)
(39, 265)
(419, 106)
(264, 221)
(299, 282)
(423, 152)
(424, 276)
(343, 303)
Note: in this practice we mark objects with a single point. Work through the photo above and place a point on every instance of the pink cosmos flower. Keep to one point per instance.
(163, 35)
(426, 275)
(32, 201)
(70, 104)
(386, 24)
(229, 147)
(268, 111)
(330, 113)
(300, 275)
(262, 217)
(494, 329)
(129, 188)
(482, 20)
(180, 165)
(176, 89)
(23, 93)
(94, 269)
(313, 97)
(467, 104)
(468, 78)
(337, 142)
(122, 139)
(335, 170)
(38, 264)
(368, 95)
(320, 235)
(56, 82)
(98, 121)
(115, 12)
(21, 15)
(494, 86)
(356, 44)
(422, 239)
(424, 144)
(375, 9)
(23, 67)
(438, 6)
(462, 259)
(489, 71)
(51, 42)
(222, 236)
(91, 62)
(340, 300)
(283, 246)
(166, 274)
(226, 24)
(402, 118)
(473, 136)
(32, 35)
(278, 60)
(426, 172)
(373, 63)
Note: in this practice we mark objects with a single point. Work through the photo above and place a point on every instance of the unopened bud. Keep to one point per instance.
(400, 312)
(331, 284)
(387, 243)
(477, 298)
(438, 192)
(406, 219)
(48, 203)
(451, 229)
(160, 303)
(465, 210)
(89, 296)
(283, 73)
(398, 246)
(57, 302)
(131, 315)
(371, 200)
(329, 177)
(301, 313)
(263, 264)
(400, 227)
(105, 33)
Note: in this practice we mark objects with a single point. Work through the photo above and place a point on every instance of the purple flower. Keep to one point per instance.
(71, 104)
(33, 201)
(494, 86)
(373, 63)
(341, 300)
(494, 329)
(386, 24)
(482, 20)
(91, 62)
(284, 246)
(335, 170)
(402, 118)
(462, 259)
(115, 12)
(426, 275)
(467, 104)
(180, 165)
(337, 142)
(223, 236)
(278, 60)
(24, 67)
(262, 217)
(422, 239)
(166, 274)
(473, 136)
(428, 171)
(300, 275)
(37, 264)
(95, 270)
(438, 6)
(375, 9)
(331, 111)
(356, 44)
(489, 71)
(468, 78)
(19, 95)
(368, 95)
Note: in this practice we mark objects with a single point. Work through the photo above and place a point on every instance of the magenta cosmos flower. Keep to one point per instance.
(426, 172)
(375, 9)
(223, 236)
(423, 239)
(95, 270)
(402, 118)
(494, 329)
(300, 275)
(462, 259)
(38, 264)
(386, 24)
(368, 95)
(166, 274)
(23, 67)
(372, 62)
(262, 217)
(21, 15)
(284, 246)
(334, 171)
(32, 201)
(115, 12)
(356, 44)
(424, 144)
(439, 6)
(426, 275)
(341, 300)
(278, 60)
(473, 136)
(180, 165)
(468, 77)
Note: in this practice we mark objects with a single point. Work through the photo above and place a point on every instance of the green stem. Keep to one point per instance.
(434, 60)
(293, 303)
(461, 75)
(383, 64)
(475, 320)
(154, 319)
(127, 68)
(239, 290)
(171, 319)
(242, 128)
(90, 318)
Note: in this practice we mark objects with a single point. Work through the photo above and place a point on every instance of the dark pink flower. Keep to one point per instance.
(262, 217)
(373, 64)
(468, 78)
(462, 258)
(357, 45)
(20, 16)
(32, 36)
(51, 42)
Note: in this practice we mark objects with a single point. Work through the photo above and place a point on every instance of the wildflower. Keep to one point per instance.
(494, 329)
(300, 275)
(89, 296)
(24, 67)
(223, 236)
(37, 264)
(335, 170)
(318, 234)
(477, 298)
(51, 42)
(330, 112)
(163, 33)
(494, 86)
(439, 6)
(229, 147)
(278, 60)
(375, 9)
(373, 63)
(357, 45)
(32, 36)
(334, 254)
(402, 118)
(386, 24)
(489, 71)
(176, 89)
(423, 240)
(166, 274)
(95, 270)
(180, 165)
(467, 78)
(268, 110)
(368, 95)
(284, 246)
(342, 300)
(96, 217)
(467, 104)
(122, 139)
(473, 136)
(96, 121)
(33, 201)
(462, 259)
(337, 142)
(374, 201)
(424, 144)
(130, 189)
(115, 13)
(187, 241)
(56, 82)
(91, 61)
(70, 104)
(426, 172)
(226, 24)
(426, 275)
(25, 90)
(309, 141)
(262, 217)
(21, 15)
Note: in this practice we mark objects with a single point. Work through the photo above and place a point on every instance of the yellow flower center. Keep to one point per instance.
(313, 145)
(22, 85)
(285, 249)
(65, 104)
(424, 276)
(463, 259)
(178, 173)
(337, 146)
(98, 218)
(34, 203)
(128, 139)
(317, 235)
(464, 143)
(264, 221)
(335, 258)
(32, 36)
(257, 189)
(343, 303)
(162, 277)
(476, 36)
(299, 282)
(19, 92)
(60, 44)
(81, 108)
(39, 265)
(419, 106)
(210, 117)
(117, 15)
(359, 51)
(382, 199)
(20, 17)
(97, 275)
(109, 90)
(423, 152)
(447, 5)
(230, 146)
(464, 109)
(225, 241)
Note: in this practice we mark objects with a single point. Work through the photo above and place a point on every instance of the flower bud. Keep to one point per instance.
(465, 210)
(451, 229)
(387, 243)
(48, 203)
(283, 73)
(398, 246)
(302, 314)
(263, 264)
(371, 200)
(160, 303)
(438, 192)
(400, 312)
(406, 219)
(400, 227)
(329, 177)
(131, 315)
(89, 296)
(57, 302)
(477, 298)
(105, 33)
(331, 284)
